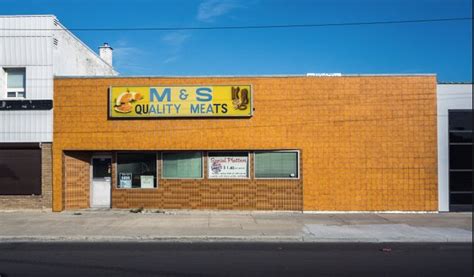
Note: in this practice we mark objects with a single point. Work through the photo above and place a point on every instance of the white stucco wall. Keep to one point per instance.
(449, 97)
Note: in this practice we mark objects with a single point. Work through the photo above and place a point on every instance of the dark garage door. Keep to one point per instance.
(20, 169)
(460, 160)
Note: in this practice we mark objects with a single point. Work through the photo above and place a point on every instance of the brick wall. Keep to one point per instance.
(76, 177)
(243, 194)
(369, 143)
(43, 201)
(248, 194)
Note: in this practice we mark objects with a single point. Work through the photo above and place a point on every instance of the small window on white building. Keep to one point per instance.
(15, 82)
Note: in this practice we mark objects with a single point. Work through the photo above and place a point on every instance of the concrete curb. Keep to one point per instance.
(138, 239)
(191, 239)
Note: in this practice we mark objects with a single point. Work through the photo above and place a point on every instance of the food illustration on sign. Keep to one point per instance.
(241, 100)
(216, 166)
(123, 103)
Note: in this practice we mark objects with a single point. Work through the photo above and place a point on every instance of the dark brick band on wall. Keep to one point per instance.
(205, 193)
(22, 105)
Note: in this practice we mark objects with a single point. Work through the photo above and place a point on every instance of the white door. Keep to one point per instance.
(101, 182)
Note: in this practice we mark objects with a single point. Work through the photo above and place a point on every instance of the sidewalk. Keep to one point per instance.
(122, 225)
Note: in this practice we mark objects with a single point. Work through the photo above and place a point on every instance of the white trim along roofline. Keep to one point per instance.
(27, 15)
(245, 76)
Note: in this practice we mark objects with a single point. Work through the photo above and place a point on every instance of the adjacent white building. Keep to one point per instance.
(34, 49)
(454, 147)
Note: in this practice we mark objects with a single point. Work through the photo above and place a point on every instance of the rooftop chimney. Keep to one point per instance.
(105, 52)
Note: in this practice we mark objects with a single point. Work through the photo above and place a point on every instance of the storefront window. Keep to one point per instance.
(136, 170)
(182, 165)
(228, 165)
(276, 164)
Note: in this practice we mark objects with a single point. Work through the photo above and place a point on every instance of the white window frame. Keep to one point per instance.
(15, 90)
(229, 151)
(179, 178)
(277, 151)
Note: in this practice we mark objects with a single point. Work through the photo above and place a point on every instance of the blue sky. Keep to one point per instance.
(444, 48)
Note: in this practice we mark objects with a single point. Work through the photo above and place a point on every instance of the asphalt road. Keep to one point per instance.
(234, 259)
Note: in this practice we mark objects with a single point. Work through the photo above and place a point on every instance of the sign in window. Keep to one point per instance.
(136, 170)
(228, 165)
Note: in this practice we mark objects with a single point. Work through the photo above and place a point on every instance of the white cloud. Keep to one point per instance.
(176, 39)
(171, 59)
(125, 57)
(208, 10)
(175, 42)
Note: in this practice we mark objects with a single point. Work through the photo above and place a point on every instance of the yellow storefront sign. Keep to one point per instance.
(180, 101)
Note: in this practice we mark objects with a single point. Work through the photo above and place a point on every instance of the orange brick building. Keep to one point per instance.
(350, 143)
